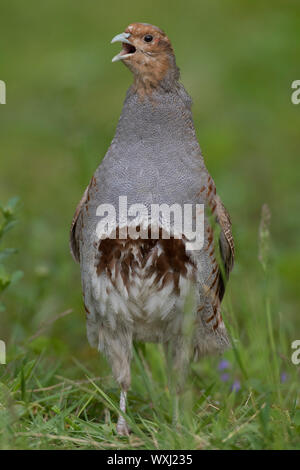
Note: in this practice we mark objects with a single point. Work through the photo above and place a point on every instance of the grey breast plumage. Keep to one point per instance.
(155, 158)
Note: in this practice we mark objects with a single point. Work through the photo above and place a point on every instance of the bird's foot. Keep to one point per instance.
(122, 427)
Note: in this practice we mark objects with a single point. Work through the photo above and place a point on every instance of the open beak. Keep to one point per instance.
(127, 47)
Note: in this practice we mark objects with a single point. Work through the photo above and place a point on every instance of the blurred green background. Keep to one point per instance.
(64, 97)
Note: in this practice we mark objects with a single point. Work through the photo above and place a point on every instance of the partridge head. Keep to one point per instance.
(148, 53)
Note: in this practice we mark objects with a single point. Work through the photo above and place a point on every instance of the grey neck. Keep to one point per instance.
(164, 117)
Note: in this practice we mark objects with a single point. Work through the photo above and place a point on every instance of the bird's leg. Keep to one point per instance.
(117, 345)
(122, 426)
(177, 361)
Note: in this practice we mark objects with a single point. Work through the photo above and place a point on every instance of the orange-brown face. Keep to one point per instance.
(147, 51)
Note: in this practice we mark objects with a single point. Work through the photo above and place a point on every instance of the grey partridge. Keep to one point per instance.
(135, 287)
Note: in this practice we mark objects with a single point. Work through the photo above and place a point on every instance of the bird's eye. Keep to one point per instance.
(148, 38)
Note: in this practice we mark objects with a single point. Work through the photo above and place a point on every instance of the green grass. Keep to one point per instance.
(238, 60)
